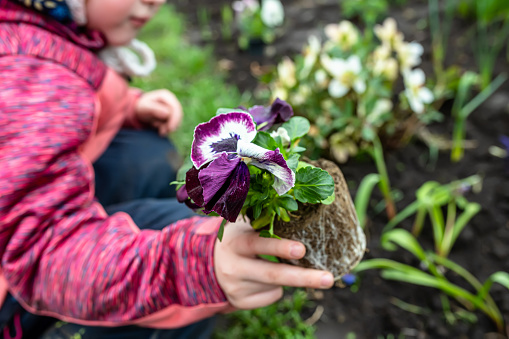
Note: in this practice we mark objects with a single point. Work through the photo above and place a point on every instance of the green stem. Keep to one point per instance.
(419, 221)
(446, 243)
(385, 185)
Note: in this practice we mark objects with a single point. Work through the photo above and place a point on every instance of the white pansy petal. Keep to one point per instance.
(221, 134)
(272, 161)
(426, 95)
(337, 89)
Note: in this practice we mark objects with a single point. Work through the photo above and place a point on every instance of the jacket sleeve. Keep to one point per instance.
(60, 253)
(115, 95)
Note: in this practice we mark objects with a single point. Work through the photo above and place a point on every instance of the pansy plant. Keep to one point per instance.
(237, 167)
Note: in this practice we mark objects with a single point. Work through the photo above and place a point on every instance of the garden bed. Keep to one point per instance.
(483, 246)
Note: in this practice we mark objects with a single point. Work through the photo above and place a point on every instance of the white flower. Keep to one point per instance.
(387, 68)
(346, 75)
(286, 72)
(344, 34)
(278, 91)
(311, 52)
(240, 6)
(382, 106)
(416, 93)
(388, 33)
(409, 54)
(273, 13)
(283, 134)
(382, 52)
(302, 95)
(321, 78)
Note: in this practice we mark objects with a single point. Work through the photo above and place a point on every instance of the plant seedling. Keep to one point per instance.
(431, 198)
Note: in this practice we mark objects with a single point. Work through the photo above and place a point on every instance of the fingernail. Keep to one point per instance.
(327, 280)
(296, 251)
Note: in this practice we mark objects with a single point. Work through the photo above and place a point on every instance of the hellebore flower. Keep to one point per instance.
(409, 54)
(346, 75)
(272, 13)
(265, 117)
(344, 34)
(219, 180)
(417, 94)
(388, 33)
(286, 73)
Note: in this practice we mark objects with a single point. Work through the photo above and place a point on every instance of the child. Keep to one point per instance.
(63, 255)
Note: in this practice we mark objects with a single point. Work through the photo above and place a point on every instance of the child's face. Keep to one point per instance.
(120, 20)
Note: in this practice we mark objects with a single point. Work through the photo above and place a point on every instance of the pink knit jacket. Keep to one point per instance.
(61, 255)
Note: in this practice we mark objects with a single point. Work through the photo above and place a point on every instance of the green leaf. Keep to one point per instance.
(257, 210)
(407, 212)
(293, 162)
(265, 234)
(220, 232)
(269, 257)
(229, 110)
(263, 139)
(363, 196)
(297, 127)
(186, 166)
(312, 185)
(329, 200)
(501, 278)
(287, 202)
(303, 164)
(405, 240)
(298, 149)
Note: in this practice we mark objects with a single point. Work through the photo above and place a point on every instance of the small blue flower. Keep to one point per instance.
(349, 279)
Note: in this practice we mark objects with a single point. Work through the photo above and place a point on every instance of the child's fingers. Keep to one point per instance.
(258, 300)
(174, 120)
(287, 275)
(159, 112)
(251, 244)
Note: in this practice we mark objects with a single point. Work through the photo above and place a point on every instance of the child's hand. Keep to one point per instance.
(249, 282)
(160, 109)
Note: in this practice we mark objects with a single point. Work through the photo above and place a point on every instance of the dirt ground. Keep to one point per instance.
(483, 246)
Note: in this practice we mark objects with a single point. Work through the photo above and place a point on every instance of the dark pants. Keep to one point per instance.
(132, 176)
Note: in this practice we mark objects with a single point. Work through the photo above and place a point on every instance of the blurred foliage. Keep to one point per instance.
(188, 71)
(281, 320)
(355, 87)
(484, 10)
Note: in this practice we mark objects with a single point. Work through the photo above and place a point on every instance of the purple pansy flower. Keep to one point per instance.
(265, 117)
(221, 150)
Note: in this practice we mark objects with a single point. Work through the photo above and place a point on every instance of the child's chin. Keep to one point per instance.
(123, 40)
